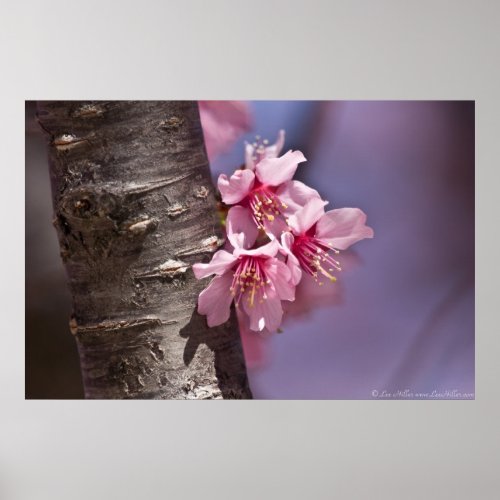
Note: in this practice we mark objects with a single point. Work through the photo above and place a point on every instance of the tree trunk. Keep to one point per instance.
(134, 209)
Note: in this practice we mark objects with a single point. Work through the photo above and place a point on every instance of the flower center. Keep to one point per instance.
(314, 257)
(264, 204)
(249, 281)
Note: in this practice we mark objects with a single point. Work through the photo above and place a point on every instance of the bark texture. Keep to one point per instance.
(134, 209)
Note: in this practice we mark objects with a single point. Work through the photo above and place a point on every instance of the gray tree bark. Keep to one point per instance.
(134, 209)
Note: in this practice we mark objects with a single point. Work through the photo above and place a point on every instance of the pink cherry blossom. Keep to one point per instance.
(260, 149)
(254, 278)
(223, 122)
(254, 270)
(315, 235)
(265, 186)
(292, 194)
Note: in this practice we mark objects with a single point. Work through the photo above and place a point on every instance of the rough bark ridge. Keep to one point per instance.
(134, 209)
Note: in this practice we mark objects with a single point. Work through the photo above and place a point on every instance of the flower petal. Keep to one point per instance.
(307, 216)
(240, 227)
(234, 189)
(221, 262)
(275, 228)
(223, 122)
(249, 156)
(292, 262)
(295, 194)
(215, 300)
(267, 314)
(295, 270)
(274, 150)
(268, 250)
(287, 240)
(275, 171)
(343, 227)
(281, 276)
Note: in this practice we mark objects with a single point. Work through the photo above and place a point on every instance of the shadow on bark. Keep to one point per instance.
(225, 344)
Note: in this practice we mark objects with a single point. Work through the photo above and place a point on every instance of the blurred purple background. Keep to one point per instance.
(402, 315)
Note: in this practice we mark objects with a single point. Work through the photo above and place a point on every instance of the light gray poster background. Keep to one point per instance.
(51, 450)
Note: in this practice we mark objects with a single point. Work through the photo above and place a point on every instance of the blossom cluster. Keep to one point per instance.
(278, 233)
